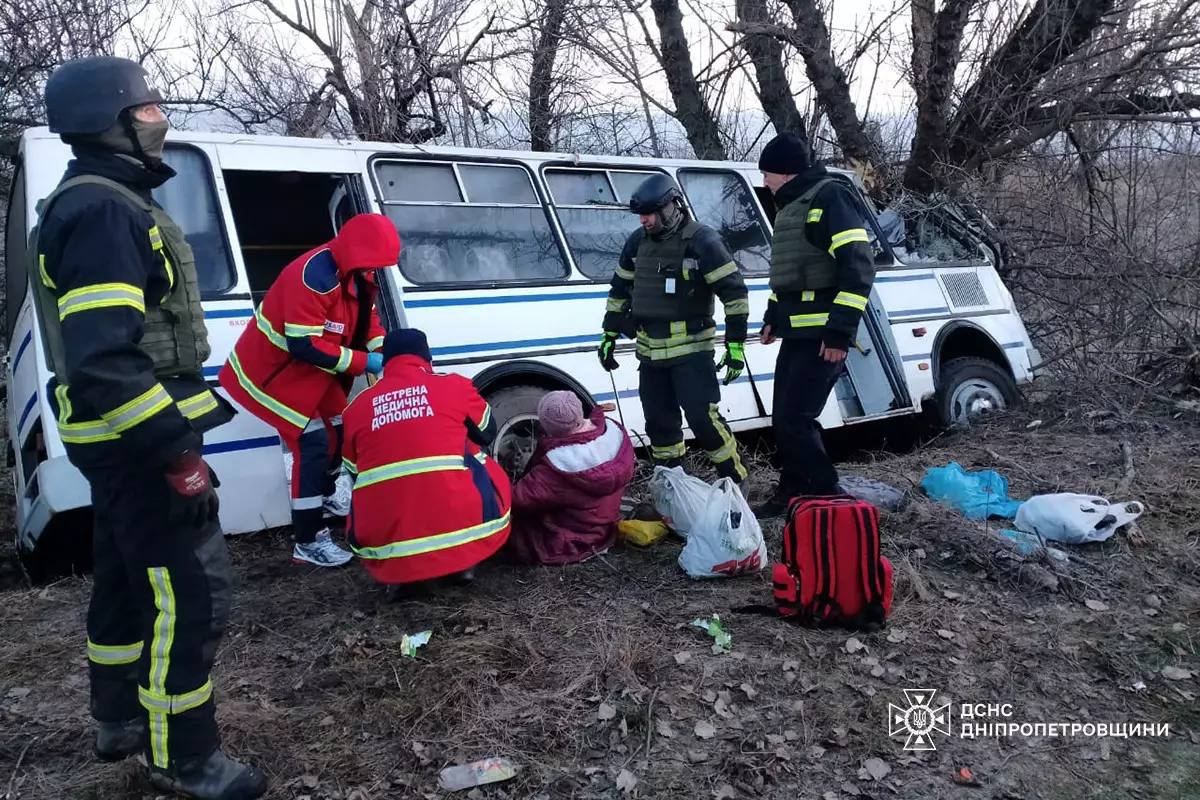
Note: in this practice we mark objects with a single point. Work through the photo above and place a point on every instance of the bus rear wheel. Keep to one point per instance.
(514, 408)
(970, 388)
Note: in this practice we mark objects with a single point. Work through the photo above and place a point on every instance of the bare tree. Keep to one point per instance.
(541, 74)
(766, 53)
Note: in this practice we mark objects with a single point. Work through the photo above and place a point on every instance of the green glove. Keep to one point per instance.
(608, 344)
(734, 361)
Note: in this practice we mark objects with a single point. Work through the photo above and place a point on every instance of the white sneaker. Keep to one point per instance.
(323, 552)
(338, 503)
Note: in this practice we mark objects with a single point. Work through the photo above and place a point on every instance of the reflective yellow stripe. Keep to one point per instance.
(375, 343)
(616, 304)
(101, 295)
(727, 450)
(265, 326)
(170, 275)
(677, 329)
(428, 544)
(46, 281)
(197, 405)
(156, 242)
(734, 307)
(808, 320)
(156, 702)
(276, 407)
(723, 271)
(300, 331)
(113, 654)
(814, 214)
(487, 417)
(855, 301)
(846, 237)
(160, 657)
(675, 346)
(403, 469)
(344, 360)
(64, 403)
(99, 430)
(773, 298)
(807, 296)
(669, 451)
(138, 410)
(625, 274)
(350, 466)
(86, 432)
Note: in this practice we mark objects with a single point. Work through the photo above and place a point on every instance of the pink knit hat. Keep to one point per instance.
(561, 414)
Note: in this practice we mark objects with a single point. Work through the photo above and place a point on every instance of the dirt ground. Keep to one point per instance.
(591, 680)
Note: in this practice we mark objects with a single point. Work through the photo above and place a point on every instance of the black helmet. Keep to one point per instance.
(87, 95)
(654, 193)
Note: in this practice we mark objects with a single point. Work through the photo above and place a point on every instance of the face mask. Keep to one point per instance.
(151, 137)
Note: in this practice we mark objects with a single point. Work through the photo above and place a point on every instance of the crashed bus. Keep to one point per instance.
(505, 264)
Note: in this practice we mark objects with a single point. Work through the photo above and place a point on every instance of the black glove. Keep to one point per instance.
(608, 346)
(193, 500)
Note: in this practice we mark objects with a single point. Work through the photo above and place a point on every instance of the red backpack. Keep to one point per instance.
(832, 572)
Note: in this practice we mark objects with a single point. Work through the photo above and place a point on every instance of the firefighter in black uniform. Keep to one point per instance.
(821, 275)
(118, 305)
(662, 292)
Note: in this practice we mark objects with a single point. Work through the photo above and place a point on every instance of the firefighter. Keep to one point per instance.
(822, 269)
(427, 501)
(663, 289)
(118, 306)
(316, 329)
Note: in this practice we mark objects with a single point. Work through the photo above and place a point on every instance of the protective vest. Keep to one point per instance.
(796, 263)
(173, 333)
(666, 285)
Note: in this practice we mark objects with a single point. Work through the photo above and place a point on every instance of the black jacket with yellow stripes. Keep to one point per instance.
(114, 405)
(663, 342)
(835, 224)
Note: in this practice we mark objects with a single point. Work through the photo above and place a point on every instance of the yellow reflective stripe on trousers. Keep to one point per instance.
(616, 304)
(669, 451)
(729, 449)
(375, 344)
(402, 469)
(101, 295)
(807, 296)
(46, 281)
(855, 301)
(157, 703)
(846, 237)
(625, 274)
(113, 654)
(273, 405)
(300, 331)
(808, 320)
(735, 307)
(428, 544)
(160, 657)
(273, 335)
(197, 405)
(723, 271)
(138, 410)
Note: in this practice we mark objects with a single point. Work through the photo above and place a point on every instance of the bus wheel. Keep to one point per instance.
(515, 410)
(969, 388)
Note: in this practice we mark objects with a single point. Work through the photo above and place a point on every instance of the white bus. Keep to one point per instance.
(505, 264)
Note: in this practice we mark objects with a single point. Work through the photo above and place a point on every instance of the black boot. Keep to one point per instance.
(117, 741)
(217, 777)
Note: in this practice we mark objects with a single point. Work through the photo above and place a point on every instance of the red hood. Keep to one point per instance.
(366, 241)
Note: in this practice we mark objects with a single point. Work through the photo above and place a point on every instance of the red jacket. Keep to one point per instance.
(313, 330)
(427, 501)
(568, 504)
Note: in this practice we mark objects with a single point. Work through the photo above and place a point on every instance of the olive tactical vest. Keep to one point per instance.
(666, 285)
(796, 263)
(173, 333)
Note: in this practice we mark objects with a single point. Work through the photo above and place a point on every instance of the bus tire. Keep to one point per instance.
(970, 387)
(514, 408)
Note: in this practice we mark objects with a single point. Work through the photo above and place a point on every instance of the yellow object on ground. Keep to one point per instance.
(642, 533)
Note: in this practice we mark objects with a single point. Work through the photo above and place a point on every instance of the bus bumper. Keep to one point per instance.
(56, 486)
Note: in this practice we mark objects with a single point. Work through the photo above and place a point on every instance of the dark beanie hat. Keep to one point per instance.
(405, 342)
(786, 154)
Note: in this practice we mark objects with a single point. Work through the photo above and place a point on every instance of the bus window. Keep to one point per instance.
(593, 209)
(191, 201)
(721, 199)
(468, 223)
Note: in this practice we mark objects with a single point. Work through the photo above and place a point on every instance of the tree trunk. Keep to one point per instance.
(541, 76)
(766, 53)
(691, 109)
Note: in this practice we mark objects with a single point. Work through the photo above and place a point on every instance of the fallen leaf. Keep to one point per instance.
(626, 781)
(749, 691)
(775, 739)
(1176, 674)
(877, 671)
(1096, 605)
(853, 645)
(682, 658)
(791, 735)
(964, 777)
(949, 595)
(664, 729)
(816, 751)
(850, 789)
(896, 637)
(309, 781)
(326, 721)
(606, 712)
(624, 728)
(1037, 423)
(877, 768)
(945, 634)
(19, 693)
(725, 792)
(697, 756)
(829, 796)
(791, 666)
(704, 730)
(709, 696)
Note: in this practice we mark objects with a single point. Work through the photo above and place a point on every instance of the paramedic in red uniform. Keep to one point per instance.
(427, 501)
(316, 330)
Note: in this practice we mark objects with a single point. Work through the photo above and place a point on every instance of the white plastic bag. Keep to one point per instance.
(1075, 518)
(680, 498)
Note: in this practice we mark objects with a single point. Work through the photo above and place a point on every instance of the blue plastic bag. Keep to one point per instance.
(978, 494)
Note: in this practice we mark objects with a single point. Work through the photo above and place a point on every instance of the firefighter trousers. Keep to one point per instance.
(160, 601)
(316, 461)
(803, 381)
(689, 383)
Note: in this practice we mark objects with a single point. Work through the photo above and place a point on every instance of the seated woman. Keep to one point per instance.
(567, 505)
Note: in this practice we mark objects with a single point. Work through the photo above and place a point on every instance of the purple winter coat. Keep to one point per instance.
(567, 505)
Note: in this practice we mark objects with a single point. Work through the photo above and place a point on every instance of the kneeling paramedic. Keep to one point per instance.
(427, 502)
(316, 330)
(668, 273)
(821, 274)
(118, 306)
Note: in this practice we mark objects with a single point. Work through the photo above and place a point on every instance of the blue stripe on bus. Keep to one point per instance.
(241, 444)
(25, 414)
(604, 397)
(914, 313)
(21, 350)
(228, 313)
(924, 276)
(507, 298)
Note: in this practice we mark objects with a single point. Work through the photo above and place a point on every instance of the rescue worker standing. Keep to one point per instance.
(316, 329)
(118, 305)
(665, 282)
(821, 275)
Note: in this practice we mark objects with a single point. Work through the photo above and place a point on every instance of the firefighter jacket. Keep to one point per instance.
(822, 267)
(427, 500)
(118, 306)
(665, 285)
(312, 332)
